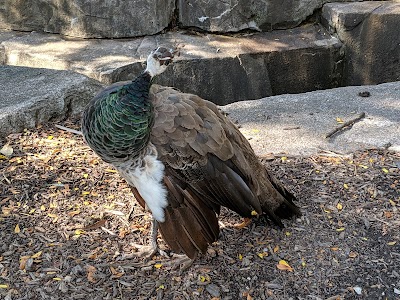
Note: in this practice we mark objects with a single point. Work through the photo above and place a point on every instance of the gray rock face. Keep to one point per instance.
(87, 18)
(131, 18)
(233, 16)
(30, 96)
(370, 32)
(297, 124)
(222, 69)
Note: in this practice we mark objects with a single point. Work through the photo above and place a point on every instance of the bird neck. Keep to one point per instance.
(142, 82)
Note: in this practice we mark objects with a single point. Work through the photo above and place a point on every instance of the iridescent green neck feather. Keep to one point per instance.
(118, 121)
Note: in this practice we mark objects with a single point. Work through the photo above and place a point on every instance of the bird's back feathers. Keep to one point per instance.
(203, 149)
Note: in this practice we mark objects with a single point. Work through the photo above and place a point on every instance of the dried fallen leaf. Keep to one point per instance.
(340, 229)
(3, 286)
(90, 273)
(385, 170)
(96, 225)
(339, 120)
(262, 255)
(157, 266)
(283, 265)
(392, 243)
(37, 254)
(74, 213)
(388, 214)
(17, 229)
(22, 262)
(204, 278)
(345, 185)
(353, 254)
(115, 273)
(7, 150)
(339, 206)
(79, 232)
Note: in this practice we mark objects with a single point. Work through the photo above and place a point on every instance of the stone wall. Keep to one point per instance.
(88, 18)
(132, 18)
(370, 32)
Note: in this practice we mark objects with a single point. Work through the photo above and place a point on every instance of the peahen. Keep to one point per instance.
(182, 157)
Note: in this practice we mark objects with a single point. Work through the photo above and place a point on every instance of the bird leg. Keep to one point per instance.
(149, 250)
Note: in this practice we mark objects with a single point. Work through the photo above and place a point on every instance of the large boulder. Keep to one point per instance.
(233, 16)
(370, 32)
(32, 96)
(87, 18)
(219, 68)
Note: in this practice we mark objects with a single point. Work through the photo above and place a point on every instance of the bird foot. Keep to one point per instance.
(181, 262)
(246, 222)
(147, 252)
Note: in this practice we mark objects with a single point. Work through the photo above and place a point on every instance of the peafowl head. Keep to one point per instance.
(158, 60)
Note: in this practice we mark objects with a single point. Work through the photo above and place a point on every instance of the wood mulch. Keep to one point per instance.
(64, 232)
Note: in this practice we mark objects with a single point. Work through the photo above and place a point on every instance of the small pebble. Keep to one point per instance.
(357, 289)
(396, 291)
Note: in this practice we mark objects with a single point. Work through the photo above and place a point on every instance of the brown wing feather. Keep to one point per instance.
(190, 224)
(209, 164)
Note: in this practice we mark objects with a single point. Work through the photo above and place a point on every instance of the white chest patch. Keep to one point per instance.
(147, 179)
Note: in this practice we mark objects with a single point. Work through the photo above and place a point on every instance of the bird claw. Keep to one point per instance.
(146, 252)
(181, 262)
(246, 222)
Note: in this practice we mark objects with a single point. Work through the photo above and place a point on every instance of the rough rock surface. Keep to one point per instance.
(86, 18)
(233, 16)
(31, 96)
(223, 69)
(371, 37)
(298, 124)
(132, 18)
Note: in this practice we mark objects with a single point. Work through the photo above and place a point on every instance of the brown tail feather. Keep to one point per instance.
(287, 208)
(190, 225)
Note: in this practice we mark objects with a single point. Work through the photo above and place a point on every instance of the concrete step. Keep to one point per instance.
(222, 69)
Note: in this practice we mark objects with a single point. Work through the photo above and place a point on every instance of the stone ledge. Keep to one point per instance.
(371, 37)
(245, 66)
(32, 96)
(297, 124)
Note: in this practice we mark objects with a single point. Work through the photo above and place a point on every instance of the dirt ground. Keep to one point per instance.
(64, 231)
